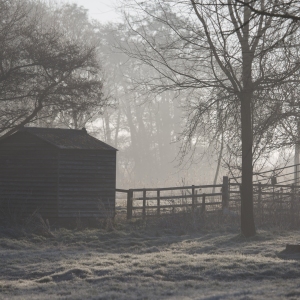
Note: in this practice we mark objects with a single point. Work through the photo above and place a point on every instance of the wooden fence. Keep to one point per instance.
(276, 196)
(267, 198)
(155, 201)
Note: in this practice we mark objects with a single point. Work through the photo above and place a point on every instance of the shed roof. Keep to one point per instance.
(68, 138)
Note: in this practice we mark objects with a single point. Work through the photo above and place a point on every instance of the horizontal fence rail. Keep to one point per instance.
(156, 201)
(276, 196)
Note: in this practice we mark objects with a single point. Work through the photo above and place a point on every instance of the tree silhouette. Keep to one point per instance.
(229, 50)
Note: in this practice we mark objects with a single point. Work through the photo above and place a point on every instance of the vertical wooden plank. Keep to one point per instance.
(292, 204)
(129, 204)
(193, 198)
(203, 204)
(144, 203)
(158, 202)
(225, 192)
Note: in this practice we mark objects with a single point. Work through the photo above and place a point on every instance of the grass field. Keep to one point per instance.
(138, 262)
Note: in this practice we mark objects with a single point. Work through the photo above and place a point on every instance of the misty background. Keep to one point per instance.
(141, 78)
(145, 128)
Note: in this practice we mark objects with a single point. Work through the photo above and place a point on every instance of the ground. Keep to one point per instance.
(136, 262)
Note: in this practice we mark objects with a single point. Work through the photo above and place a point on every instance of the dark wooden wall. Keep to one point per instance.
(28, 176)
(87, 182)
(60, 183)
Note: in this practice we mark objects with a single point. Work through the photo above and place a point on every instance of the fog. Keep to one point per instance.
(145, 128)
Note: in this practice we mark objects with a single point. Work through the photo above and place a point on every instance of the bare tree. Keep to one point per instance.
(42, 70)
(209, 46)
(274, 8)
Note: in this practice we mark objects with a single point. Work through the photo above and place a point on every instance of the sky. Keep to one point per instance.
(101, 10)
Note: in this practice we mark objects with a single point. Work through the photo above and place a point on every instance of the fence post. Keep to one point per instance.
(203, 204)
(144, 203)
(292, 204)
(193, 198)
(225, 192)
(129, 204)
(158, 202)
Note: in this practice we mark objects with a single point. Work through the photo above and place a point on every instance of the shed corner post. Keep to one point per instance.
(225, 192)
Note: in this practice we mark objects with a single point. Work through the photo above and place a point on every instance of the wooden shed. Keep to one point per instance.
(64, 173)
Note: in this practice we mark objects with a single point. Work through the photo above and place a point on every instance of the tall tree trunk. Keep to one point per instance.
(218, 165)
(117, 128)
(247, 215)
(75, 119)
(107, 128)
(297, 152)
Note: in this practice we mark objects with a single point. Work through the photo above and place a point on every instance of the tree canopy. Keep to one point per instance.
(43, 67)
